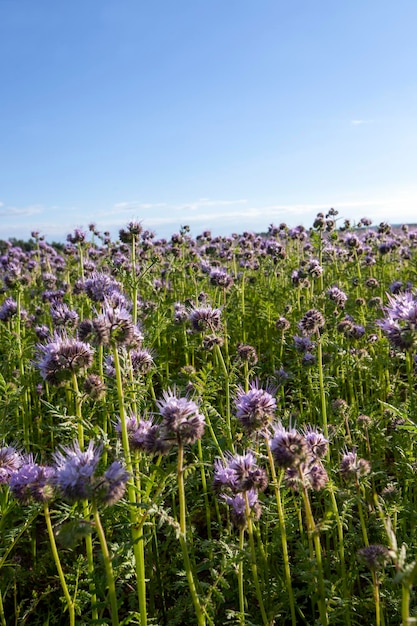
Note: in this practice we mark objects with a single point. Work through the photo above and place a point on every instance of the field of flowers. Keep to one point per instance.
(210, 431)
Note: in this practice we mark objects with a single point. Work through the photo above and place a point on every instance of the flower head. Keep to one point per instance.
(32, 482)
(182, 420)
(75, 470)
(61, 357)
(289, 447)
(255, 408)
(10, 461)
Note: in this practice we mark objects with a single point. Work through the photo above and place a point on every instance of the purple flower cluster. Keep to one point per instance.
(255, 408)
(182, 421)
(62, 357)
(300, 454)
(400, 323)
(239, 479)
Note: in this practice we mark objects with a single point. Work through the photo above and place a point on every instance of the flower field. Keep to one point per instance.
(210, 431)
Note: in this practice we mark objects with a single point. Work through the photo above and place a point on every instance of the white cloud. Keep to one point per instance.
(11, 211)
(360, 122)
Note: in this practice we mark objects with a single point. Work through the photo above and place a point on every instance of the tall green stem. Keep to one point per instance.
(254, 563)
(201, 620)
(68, 599)
(136, 528)
(108, 566)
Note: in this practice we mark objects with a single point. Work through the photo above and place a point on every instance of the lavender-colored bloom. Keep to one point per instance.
(77, 237)
(75, 470)
(308, 359)
(303, 344)
(42, 332)
(32, 482)
(142, 361)
(115, 324)
(289, 447)
(62, 357)
(224, 476)
(312, 322)
(10, 461)
(182, 420)
(255, 408)
(62, 315)
(247, 354)
(337, 296)
(205, 319)
(400, 324)
(220, 277)
(113, 487)
(238, 507)
(316, 442)
(375, 556)
(180, 313)
(352, 467)
(8, 309)
(100, 286)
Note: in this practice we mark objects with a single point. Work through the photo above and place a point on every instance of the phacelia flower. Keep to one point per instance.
(113, 484)
(352, 467)
(182, 420)
(400, 323)
(238, 507)
(255, 408)
(115, 324)
(75, 470)
(62, 357)
(311, 323)
(8, 309)
(32, 482)
(204, 319)
(375, 556)
(337, 296)
(10, 461)
(289, 447)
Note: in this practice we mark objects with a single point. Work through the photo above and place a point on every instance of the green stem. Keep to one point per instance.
(283, 529)
(227, 397)
(253, 562)
(68, 599)
(240, 578)
(136, 528)
(108, 567)
(183, 538)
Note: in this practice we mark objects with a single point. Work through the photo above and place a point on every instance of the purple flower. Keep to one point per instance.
(8, 309)
(62, 357)
(239, 472)
(62, 315)
(115, 324)
(100, 286)
(182, 420)
(400, 323)
(75, 470)
(238, 507)
(255, 408)
(10, 461)
(311, 323)
(289, 447)
(205, 319)
(337, 296)
(113, 486)
(32, 482)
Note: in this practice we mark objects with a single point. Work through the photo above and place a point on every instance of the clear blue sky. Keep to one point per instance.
(220, 114)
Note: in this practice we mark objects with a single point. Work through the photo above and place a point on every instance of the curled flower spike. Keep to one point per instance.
(10, 461)
(255, 408)
(239, 472)
(60, 358)
(32, 482)
(238, 507)
(182, 420)
(75, 470)
(289, 447)
(353, 468)
(311, 323)
(205, 319)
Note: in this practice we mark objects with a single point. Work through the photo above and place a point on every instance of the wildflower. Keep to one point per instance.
(62, 357)
(8, 309)
(77, 237)
(115, 324)
(255, 408)
(303, 344)
(289, 447)
(113, 485)
(247, 354)
(32, 482)
(142, 361)
(180, 313)
(62, 315)
(75, 470)
(316, 442)
(220, 277)
(238, 507)
(309, 473)
(101, 286)
(10, 461)
(375, 556)
(282, 324)
(182, 420)
(353, 468)
(205, 319)
(132, 232)
(94, 387)
(337, 296)
(400, 324)
(312, 322)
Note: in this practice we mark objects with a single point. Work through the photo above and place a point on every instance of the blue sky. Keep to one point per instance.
(220, 114)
